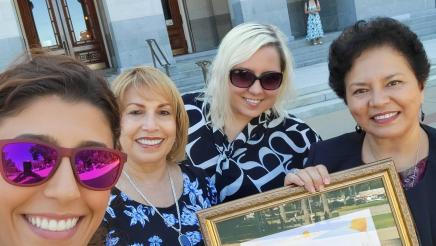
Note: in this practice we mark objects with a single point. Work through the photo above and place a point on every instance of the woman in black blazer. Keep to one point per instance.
(379, 68)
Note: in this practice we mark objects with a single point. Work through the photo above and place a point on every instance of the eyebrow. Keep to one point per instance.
(51, 140)
(360, 83)
(164, 105)
(143, 106)
(392, 75)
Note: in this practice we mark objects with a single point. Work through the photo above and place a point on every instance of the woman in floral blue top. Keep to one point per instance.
(131, 221)
(157, 196)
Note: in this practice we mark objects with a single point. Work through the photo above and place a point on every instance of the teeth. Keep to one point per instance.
(149, 141)
(253, 101)
(384, 116)
(51, 224)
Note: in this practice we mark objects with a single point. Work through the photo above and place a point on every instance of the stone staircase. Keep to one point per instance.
(313, 99)
(188, 76)
(324, 100)
(423, 23)
(321, 99)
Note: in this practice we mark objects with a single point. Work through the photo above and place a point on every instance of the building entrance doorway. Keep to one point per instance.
(174, 24)
(64, 27)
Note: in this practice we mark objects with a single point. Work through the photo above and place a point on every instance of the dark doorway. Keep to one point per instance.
(174, 23)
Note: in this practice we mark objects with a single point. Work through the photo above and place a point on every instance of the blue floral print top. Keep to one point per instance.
(129, 222)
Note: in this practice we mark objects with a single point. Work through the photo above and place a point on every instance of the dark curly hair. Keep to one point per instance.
(377, 32)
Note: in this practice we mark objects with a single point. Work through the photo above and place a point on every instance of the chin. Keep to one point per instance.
(386, 133)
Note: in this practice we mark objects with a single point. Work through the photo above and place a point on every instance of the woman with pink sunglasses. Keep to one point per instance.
(59, 124)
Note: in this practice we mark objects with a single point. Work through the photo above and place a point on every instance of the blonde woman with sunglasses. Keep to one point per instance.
(240, 132)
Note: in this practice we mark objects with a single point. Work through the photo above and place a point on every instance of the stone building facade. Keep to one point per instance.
(113, 33)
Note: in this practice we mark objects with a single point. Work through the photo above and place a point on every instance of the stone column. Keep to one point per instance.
(391, 8)
(346, 10)
(132, 22)
(261, 11)
(11, 39)
(349, 11)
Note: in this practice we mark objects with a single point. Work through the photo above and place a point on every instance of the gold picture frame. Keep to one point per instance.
(366, 202)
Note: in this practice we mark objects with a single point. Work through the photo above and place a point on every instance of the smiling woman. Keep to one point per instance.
(155, 200)
(50, 108)
(240, 131)
(380, 68)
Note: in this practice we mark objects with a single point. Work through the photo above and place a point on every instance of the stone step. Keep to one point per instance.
(310, 55)
(326, 101)
(429, 20)
(302, 42)
(426, 31)
(423, 13)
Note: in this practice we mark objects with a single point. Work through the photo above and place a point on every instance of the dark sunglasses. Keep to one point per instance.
(31, 163)
(244, 79)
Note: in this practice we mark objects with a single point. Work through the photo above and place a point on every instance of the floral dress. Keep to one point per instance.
(129, 222)
(314, 26)
(257, 160)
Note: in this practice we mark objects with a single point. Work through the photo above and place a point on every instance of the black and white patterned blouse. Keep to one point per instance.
(131, 223)
(256, 160)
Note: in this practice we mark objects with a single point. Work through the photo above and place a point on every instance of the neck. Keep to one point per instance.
(147, 173)
(404, 150)
(234, 125)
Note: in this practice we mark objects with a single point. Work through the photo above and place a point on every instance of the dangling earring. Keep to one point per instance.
(358, 128)
(422, 116)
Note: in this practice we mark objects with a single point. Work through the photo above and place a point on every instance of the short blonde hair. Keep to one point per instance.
(238, 46)
(150, 78)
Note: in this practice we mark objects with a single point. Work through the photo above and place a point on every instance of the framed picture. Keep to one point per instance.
(362, 206)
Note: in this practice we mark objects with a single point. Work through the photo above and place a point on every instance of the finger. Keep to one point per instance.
(316, 178)
(322, 170)
(306, 178)
(293, 179)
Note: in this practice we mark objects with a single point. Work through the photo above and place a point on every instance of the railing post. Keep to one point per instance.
(204, 65)
(167, 69)
(156, 57)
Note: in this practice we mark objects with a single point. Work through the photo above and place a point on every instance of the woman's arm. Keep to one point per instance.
(305, 9)
(318, 6)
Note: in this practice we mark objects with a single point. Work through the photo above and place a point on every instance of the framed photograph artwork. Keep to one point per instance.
(362, 206)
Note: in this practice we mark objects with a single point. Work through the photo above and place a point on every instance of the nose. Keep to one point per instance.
(379, 98)
(62, 186)
(255, 88)
(149, 123)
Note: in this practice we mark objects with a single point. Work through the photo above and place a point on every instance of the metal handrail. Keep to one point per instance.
(155, 56)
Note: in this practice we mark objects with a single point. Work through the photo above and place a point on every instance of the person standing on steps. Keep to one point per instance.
(314, 25)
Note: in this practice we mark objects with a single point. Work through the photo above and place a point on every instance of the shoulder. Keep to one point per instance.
(351, 139)
(198, 177)
(192, 99)
(337, 153)
(192, 171)
(430, 131)
(196, 174)
(293, 124)
(117, 198)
